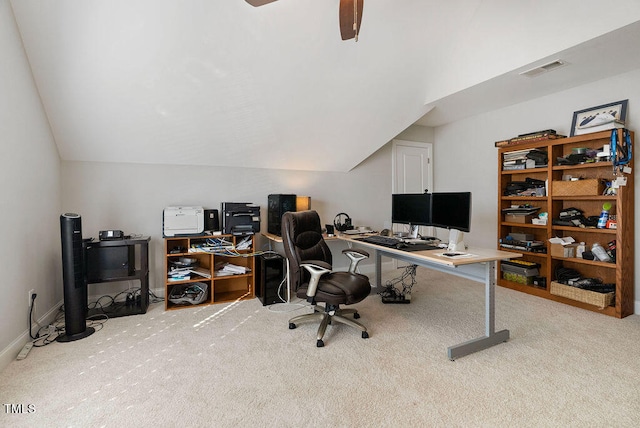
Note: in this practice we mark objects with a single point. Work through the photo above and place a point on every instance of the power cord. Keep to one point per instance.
(33, 301)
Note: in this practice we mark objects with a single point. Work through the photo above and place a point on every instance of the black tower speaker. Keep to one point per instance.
(270, 278)
(277, 206)
(75, 285)
(211, 220)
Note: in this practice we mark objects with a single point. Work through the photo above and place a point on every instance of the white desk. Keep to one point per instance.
(481, 267)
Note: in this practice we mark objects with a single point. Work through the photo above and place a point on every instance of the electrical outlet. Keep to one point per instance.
(31, 293)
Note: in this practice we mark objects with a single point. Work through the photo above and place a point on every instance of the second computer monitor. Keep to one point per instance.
(451, 210)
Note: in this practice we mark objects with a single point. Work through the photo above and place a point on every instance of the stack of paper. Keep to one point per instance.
(179, 274)
(230, 269)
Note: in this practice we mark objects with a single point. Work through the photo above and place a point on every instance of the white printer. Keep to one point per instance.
(178, 221)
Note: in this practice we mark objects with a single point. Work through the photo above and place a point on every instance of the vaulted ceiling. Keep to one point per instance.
(222, 83)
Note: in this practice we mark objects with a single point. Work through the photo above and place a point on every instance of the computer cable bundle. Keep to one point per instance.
(222, 247)
(48, 334)
(391, 294)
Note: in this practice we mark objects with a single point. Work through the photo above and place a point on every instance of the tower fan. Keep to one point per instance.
(75, 285)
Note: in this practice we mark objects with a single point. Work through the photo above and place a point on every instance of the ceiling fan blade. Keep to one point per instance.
(256, 3)
(348, 17)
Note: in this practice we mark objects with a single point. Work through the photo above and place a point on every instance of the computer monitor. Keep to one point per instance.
(413, 209)
(452, 210)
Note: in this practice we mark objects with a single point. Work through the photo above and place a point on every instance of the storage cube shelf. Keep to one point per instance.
(216, 266)
(585, 195)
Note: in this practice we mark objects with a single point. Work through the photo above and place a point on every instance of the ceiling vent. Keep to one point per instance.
(553, 65)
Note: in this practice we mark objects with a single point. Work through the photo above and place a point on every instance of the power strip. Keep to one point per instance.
(25, 351)
(396, 299)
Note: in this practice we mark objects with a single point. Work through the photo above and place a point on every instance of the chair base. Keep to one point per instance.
(327, 315)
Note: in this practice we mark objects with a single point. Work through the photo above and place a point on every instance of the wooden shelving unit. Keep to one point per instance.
(211, 253)
(622, 271)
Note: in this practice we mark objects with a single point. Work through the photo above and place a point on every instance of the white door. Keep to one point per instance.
(412, 172)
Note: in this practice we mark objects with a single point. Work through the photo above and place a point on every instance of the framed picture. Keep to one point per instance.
(598, 116)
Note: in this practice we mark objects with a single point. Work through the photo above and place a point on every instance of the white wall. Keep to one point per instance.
(131, 197)
(468, 146)
(31, 194)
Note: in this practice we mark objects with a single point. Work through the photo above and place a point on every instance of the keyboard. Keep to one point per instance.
(385, 241)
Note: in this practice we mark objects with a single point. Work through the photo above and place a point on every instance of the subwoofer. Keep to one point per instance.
(270, 278)
(277, 206)
(73, 278)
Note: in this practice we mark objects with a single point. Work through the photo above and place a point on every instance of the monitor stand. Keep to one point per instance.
(456, 240)
(414, 232)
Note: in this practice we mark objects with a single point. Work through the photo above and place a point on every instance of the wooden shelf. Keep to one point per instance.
(620, 273)
(224, 288)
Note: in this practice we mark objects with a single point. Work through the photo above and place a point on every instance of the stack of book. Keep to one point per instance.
(517, 159)
(547, 134)
(524, 159)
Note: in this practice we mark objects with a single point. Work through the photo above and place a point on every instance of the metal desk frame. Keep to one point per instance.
(480, 268)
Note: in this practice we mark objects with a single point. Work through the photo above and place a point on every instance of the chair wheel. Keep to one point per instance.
(291, 326)
(365, 335)
(319, 343)
(356, 315)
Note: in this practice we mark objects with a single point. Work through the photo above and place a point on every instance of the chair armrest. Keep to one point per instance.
(316, 268)
(356, 256)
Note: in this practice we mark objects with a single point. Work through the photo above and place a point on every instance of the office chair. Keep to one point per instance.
(309, 259)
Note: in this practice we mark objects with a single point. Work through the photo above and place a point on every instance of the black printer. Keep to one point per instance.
(240, 218)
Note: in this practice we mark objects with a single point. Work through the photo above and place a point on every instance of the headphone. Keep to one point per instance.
(340, 224)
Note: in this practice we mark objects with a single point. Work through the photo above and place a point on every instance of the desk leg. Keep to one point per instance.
(491, 337)
(378, 269)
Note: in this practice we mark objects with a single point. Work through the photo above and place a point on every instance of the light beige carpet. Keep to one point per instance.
(238, 365)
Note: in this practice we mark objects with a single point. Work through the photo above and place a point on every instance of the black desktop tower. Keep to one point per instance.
(277, 206)
(270, 276)
(73, 278)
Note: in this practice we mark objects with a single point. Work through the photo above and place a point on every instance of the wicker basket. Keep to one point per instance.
(587, 187)
(601, 300)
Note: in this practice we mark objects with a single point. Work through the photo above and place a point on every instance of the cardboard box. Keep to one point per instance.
(587, 187)
(559, 250)
(518, 218)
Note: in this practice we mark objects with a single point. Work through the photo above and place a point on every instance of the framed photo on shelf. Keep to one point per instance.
(599, 116)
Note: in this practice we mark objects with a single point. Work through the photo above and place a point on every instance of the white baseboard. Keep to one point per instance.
(10, 353)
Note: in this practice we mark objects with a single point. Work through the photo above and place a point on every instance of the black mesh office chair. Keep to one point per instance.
(310, 274)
